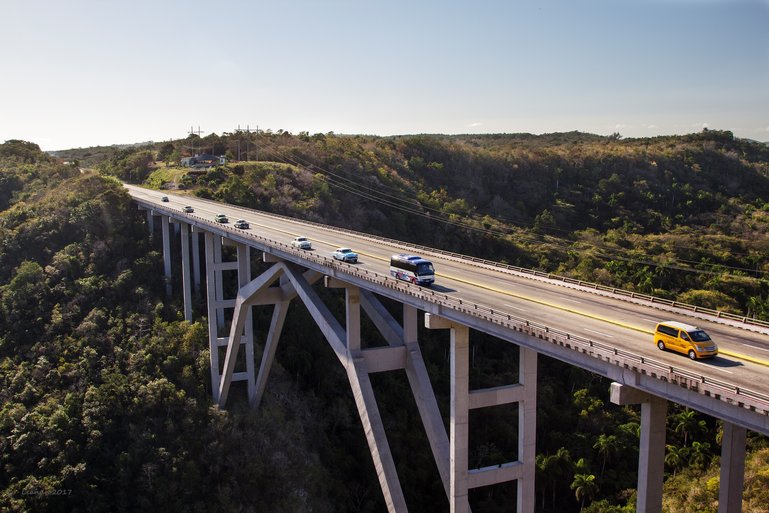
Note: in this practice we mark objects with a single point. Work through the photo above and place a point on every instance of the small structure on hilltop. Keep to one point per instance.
(203, 161)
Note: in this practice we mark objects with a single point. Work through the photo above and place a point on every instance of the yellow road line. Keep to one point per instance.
(530, 299)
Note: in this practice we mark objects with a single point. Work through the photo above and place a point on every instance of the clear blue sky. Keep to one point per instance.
(79, 73)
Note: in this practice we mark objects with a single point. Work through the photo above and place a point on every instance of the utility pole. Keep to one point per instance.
(240, 138)
(237, 131)
(191, 132)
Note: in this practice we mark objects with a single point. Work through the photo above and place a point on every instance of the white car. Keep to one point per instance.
(301, 243)
(345, 255)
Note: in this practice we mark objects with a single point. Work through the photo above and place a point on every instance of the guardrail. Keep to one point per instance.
(717, 389)
(621, 293)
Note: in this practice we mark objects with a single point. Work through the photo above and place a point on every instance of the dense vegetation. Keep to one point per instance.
(683, 217)
(104, 391)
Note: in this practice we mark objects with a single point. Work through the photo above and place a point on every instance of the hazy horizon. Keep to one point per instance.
(89, 73)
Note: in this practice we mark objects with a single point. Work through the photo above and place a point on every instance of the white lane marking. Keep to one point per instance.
(572, 300)
(757, 347)
(722, 370)
(649, 320)
(516, 307)
(598, 333)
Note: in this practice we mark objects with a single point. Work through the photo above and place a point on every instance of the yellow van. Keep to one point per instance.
(684, 338)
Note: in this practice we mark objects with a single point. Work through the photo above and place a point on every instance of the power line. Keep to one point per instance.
(399, 203)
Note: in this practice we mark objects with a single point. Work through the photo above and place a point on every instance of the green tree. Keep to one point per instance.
(607, 447)
(165, 152)
(687, 424)
(585, 487)
(675, 457)
(699, 454)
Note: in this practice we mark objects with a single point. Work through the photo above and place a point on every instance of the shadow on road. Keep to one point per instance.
(719, 361)
(441, 288)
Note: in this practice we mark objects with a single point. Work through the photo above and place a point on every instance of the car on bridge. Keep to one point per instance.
(301, 243)
(345, 255)
(684, 338)
(164, 199)
(188, 209)
(242, 224)
(221, 218)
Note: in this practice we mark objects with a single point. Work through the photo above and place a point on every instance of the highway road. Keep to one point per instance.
(744, 357)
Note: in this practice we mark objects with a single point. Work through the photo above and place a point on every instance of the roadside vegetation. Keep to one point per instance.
(104, 391)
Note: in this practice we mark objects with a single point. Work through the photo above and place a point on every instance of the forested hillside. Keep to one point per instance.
(104, 391)
(683, 217)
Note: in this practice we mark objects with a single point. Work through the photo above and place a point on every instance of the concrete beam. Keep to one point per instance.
(383, 359)
(623, 395)
(268, 354)
(436, 322)
(488, 476)
(373, 426)
(327, 323)
(496, 396)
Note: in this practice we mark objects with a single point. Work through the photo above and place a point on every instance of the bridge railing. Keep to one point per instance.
(749, 321)
(721, 390)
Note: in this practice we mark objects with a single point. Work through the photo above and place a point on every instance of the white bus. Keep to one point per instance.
(412, 268)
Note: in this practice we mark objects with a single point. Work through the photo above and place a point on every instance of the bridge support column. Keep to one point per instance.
(459, 423)
(151, 222)
(166, 253)
(215, 268)
(196, 260)
(527, 429)
(186, 286)
(463, 400)
(732, 468)
(651, 457)
(244, 277)
(251, 293)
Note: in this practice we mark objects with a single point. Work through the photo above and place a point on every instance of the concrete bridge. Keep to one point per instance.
(603, 330)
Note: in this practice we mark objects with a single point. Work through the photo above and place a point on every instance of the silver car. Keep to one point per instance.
(301, 243)
(345, 255)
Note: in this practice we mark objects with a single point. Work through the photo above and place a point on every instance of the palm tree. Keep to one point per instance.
(584, 485)
(544, 471)
(699, 454)
(687, 423)
(555, 467)
(607, 447)
(675, 457)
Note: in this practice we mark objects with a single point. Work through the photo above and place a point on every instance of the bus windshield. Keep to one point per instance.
(424, 268)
